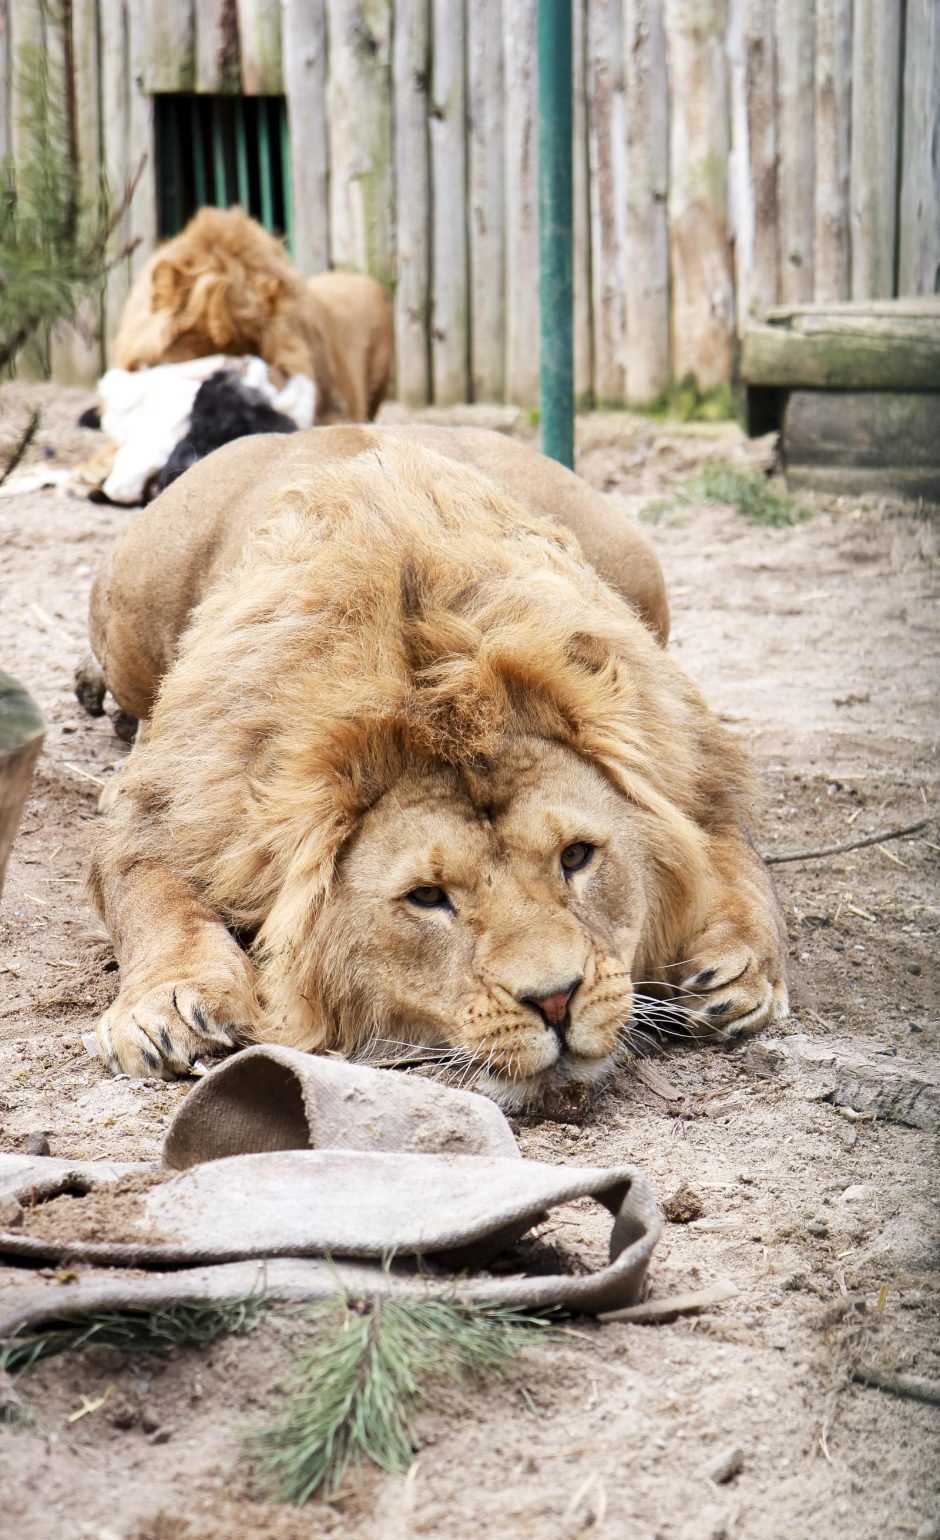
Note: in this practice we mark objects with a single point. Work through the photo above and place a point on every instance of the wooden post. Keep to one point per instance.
(703, 288)
(362, 200)
(72, 43)
(647, 173)
(412, 215)
(143, 210)
(218, 67)
(556, 231)
(168, 44)
(760, 69)
(449, 279)
(833, 123)
(22, 730)
(303, 49)
(27, 42)
(583, 319)
(876, 61)
(522, 246)
(486, 199)
(607, 141)
(6, 85)
(796, 75)
(115, 85)
(259, 38)
(919, 235)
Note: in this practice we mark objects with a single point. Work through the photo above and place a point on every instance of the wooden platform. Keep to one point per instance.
(854, 390)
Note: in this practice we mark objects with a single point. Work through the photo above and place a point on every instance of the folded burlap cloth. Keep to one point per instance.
(291, 1175)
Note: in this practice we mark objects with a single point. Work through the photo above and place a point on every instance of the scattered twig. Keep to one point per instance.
(680, 1304)
(913, 1386)
(21, 445)
(774, 858)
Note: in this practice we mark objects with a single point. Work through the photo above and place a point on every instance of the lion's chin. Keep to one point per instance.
(550, 1087)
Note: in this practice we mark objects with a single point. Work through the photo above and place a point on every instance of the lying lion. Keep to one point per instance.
(414, 771)
(224, 285)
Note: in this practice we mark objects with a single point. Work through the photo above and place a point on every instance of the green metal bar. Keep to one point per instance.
(264, 165)
(218, 156)
(241, 152)
(556, 289)
(199, 152)
(288, 191)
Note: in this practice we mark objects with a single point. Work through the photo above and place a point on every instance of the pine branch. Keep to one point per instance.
(362, 1383)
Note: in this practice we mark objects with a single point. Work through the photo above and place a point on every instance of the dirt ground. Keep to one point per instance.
(818, 643)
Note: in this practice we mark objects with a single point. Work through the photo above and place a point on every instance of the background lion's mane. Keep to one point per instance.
(401, 608)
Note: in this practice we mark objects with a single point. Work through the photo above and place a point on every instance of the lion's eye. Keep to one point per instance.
(429, 898)
(574, 858)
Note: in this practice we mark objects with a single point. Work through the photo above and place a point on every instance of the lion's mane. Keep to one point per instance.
(400, 607)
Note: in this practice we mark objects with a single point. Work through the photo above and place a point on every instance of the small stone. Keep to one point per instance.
(124, 1414)
(11, 1214)
(37, 1144)
(929, 1530)
(684, 1206)
(149, 1420)
(818, 1227)
(725, 1466)
(161, 1435)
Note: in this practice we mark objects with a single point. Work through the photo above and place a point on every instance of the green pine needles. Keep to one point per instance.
(358, 1389)
(53, 245)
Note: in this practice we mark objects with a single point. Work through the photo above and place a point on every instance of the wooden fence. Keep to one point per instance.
(729, 155)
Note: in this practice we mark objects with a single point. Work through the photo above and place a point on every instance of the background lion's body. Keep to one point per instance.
(224, 285)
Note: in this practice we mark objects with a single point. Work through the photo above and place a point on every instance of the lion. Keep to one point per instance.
(416, 772)
(224, 285)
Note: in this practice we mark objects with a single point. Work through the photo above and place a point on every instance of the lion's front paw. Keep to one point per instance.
(164, 1029)
(738, 985)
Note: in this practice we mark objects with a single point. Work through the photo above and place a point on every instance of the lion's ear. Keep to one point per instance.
(167, 285)
(272, 290)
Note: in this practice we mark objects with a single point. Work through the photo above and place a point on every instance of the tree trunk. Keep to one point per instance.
(796, 74)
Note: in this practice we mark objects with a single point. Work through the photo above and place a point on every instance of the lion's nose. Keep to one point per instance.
(553, 1007)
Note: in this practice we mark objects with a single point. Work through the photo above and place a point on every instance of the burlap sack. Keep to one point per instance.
(297, 1175)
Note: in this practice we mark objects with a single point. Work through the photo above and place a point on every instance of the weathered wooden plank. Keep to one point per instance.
(522, 253)
(758, 270)
(449, 287)
(362, 202)
(831, 248)
(701, 261)
(77, 351)
(580, 192)
(740, 190)
(27, 42)
(876, 61)
(911, 305)
(647, 234)
(794, 32)
(486, 197)
(412, 65)
(142, 214)
(168, 44)
(259, 41)
(607, 145)
(6, 140)
(303, 48)
(919, 212)
(864, 427)
(773, 355)
(218, 64)
(915, 328)
(115, 86)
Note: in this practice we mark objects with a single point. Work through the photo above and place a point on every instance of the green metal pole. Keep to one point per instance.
(555, 230)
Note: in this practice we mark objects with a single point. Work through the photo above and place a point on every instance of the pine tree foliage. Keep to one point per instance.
(53, 247)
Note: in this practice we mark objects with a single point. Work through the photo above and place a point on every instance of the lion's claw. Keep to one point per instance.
(163, 1031)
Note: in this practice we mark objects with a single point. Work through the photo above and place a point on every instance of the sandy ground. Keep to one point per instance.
(818, 643)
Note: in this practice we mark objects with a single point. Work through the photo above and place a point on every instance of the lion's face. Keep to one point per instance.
(497, 913)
